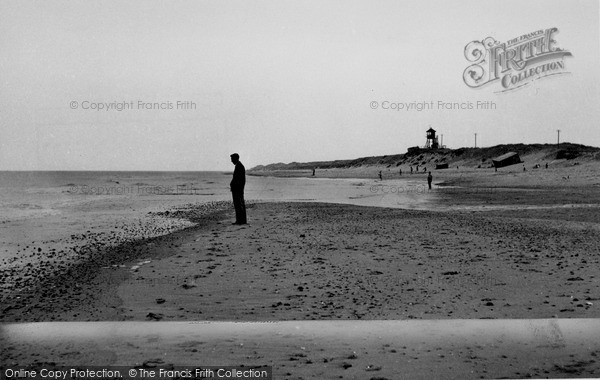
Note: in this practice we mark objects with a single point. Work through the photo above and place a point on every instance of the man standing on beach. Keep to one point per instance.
(429, 179)
(237, 189)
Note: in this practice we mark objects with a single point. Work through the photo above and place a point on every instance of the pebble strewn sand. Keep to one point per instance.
(46, 282)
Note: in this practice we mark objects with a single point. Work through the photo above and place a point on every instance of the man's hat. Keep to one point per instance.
(235, 155)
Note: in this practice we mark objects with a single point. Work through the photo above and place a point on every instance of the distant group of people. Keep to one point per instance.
(416, 170)
(536, 166)
(412, 171)
(429, 176)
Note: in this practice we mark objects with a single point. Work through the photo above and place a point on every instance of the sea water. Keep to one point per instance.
(42, 207)
(33, 194)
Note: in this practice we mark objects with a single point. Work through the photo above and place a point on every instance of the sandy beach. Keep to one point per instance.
(498, 249)
(421, 181)
(314, 261)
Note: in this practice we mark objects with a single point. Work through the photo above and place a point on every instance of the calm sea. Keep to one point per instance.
(39, 193)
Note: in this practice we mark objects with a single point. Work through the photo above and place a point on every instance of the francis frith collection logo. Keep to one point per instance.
(514, 63)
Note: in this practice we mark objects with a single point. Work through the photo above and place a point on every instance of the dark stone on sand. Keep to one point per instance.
(160, 300)
(154, 316)
(152, 363)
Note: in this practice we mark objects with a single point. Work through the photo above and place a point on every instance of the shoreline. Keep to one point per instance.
(538, 196)
(336, 265)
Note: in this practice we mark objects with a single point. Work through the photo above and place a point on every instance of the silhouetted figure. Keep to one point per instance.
(237, 189)
(546, 165)
(313, 172)
(524, 168)
(417, 169)
(400, 171)
(380, 176)
(411, 170)
(429, 179)
(425, 169)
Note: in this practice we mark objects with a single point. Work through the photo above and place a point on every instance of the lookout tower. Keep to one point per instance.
(432, 140)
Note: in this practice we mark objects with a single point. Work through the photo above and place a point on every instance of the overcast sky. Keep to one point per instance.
(275, 81)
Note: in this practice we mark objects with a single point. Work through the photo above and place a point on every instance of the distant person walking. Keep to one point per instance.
(313, 172)
(237, 189)
(400, 171)
(411, 170)
(429, 179)
(380, 176)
